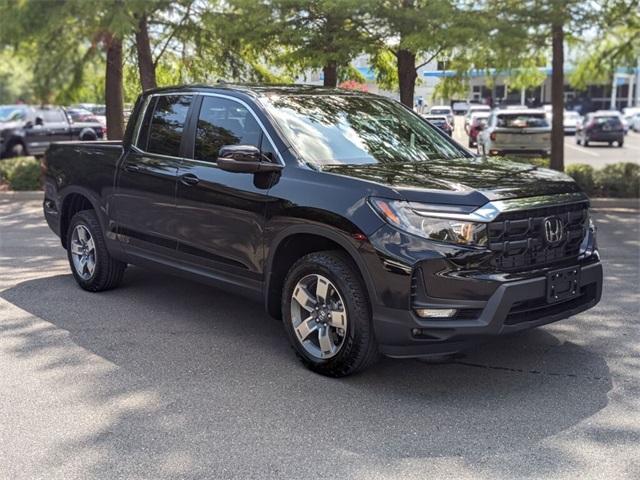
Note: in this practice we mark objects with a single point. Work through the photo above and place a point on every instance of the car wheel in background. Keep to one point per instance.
(327, 316)
(620, 143)
(91, 264)
(16, 149)
(586, 142)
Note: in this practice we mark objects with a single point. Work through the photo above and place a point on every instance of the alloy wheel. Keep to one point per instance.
(319, 316)
(83, 252)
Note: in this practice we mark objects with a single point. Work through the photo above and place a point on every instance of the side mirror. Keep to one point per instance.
(39, 122)
(244, 159)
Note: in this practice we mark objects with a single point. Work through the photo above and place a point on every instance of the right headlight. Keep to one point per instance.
(410, 218)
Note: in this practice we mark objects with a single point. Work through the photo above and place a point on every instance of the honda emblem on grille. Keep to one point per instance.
(553, 230)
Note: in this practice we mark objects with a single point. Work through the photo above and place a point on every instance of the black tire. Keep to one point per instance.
(620, 143)
(586, 142)
(108, 271)
(359, 348)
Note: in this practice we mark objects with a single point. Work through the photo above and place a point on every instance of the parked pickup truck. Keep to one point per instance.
(28, 130)
(360, 225)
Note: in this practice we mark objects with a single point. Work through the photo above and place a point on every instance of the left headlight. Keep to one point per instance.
(408, 217)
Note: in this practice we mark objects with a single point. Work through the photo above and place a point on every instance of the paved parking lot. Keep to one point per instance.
(598, 154)
(168, 379)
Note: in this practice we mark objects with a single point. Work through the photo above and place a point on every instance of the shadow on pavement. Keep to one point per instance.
(203, 381)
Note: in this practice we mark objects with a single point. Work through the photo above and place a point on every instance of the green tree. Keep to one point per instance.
(415, 32)
(615, 43)
(297, 35)
(523, 27)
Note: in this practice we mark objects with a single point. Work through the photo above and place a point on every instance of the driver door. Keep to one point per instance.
(219, 214)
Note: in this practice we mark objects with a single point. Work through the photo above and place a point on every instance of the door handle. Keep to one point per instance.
(189, 179)
(132, 167)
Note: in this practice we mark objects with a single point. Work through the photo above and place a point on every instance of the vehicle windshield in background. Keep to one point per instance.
(439, 122)
(572, 115)
(12, 114)
(608, 122)
(522, 120)
(440, 111)
(343, 129)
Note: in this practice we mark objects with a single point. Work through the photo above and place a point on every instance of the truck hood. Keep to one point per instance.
(464, 181)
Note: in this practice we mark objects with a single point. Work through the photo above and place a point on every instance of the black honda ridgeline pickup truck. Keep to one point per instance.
(359, 224)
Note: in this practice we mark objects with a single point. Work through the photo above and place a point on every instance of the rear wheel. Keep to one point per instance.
(91, 264)
(327, 315)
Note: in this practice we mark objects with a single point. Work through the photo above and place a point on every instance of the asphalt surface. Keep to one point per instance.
(168, 379)
(597, 154)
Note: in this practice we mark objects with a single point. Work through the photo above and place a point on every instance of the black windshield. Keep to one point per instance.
(346, 129)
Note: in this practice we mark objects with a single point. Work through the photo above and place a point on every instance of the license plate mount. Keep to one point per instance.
(563, 284)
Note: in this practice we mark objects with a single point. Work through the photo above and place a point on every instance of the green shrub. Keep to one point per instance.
(583, 175)
(618, 180)
(22, 173)
(542, 162)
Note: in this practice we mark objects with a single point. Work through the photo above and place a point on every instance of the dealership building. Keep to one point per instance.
(491, 87)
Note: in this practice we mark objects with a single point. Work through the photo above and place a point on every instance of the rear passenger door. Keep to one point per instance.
(143, 207)
(220, 215)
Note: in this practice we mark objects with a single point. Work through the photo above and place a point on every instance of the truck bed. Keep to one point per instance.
(87, 167)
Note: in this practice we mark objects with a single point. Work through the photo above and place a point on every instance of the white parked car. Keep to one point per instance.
(635, 123)
(474, 108)
(443, 110)
(571, 122)
(514, 132)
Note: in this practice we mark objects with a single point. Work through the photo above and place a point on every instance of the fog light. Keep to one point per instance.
(436, 312)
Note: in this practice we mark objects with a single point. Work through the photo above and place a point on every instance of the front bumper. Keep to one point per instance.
(514, 306)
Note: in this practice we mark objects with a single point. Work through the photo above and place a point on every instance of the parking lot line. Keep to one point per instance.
(580, 149)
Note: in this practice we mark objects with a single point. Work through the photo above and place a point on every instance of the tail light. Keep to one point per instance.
(493, 136)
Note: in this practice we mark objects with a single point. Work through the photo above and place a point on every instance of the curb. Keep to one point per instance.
(613, 204)
(23, 195)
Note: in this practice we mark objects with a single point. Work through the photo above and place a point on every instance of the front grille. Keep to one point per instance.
(518, 238)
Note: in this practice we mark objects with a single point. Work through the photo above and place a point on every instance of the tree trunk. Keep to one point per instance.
(557, 97)
(406, 76)
(330, 71)
(145, 60)
(113, 89)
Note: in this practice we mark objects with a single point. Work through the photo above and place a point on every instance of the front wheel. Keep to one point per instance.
(91, 264)
(327, 315)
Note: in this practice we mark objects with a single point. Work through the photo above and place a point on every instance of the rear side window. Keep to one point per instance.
(52, 115)
(167, 124)
(524, 120)
(223, 122)
(613, 122)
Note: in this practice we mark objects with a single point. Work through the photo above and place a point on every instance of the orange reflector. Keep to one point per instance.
(388, 212)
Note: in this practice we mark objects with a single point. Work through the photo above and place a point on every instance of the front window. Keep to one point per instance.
(344, 129)
(522, 120)
(12, 114)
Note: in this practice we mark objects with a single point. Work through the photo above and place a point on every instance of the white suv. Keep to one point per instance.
(524, 131)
